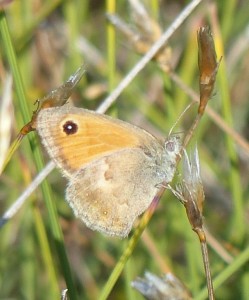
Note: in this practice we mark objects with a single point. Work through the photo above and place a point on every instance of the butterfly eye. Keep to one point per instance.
(70, 127)
(170, 146)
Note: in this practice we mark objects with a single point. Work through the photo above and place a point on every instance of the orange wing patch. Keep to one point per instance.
(96, 135)
(94, 138)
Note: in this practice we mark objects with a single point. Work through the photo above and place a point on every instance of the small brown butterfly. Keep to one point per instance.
(114, 168)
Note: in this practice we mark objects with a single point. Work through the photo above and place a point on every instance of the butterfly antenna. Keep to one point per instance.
(179, 118)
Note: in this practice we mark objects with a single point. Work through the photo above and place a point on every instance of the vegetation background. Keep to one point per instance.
(51, 39)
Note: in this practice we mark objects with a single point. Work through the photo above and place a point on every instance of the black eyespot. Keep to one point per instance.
(70, 127)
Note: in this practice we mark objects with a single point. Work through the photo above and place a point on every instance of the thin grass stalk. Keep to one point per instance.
(238, 262)
(46, 254)
(111, 46)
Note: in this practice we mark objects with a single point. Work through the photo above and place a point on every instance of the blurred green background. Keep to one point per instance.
(45, 42)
